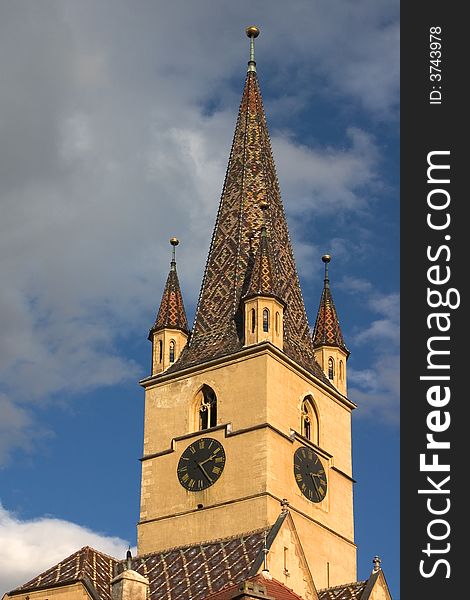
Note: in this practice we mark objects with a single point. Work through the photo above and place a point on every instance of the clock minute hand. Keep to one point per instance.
(312, 475)
(204, 471)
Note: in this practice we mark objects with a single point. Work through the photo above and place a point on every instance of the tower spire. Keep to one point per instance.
(250, 181)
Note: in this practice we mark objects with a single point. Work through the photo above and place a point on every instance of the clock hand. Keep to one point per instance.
(204, 472)
(207, 460)
(312, 475)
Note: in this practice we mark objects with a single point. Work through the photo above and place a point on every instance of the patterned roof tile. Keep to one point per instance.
(86, 564)
(185, 573)
(193, 572)
(348, 591)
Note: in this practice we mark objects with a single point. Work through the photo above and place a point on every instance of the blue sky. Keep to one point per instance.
(116, 121)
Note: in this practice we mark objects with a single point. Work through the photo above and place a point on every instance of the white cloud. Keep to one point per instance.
(107, 151)
(326, 180)
(376, 389)
(30, 547)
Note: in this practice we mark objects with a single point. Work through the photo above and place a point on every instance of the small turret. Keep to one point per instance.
(264, 310)
(170, 332)
(331, 352)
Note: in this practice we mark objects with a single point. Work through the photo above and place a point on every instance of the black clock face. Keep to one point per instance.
(309, 474)
(201, 464)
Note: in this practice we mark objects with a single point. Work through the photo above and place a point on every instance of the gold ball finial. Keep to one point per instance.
(326, 258)
(174, 241)
(252, 31)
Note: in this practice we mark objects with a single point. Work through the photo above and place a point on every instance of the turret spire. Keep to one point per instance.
(171, 313)
(327, 330)
(263, 277)
(330, 350)
(169, 333)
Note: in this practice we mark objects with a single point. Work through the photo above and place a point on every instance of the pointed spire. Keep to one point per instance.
(171, 313)
(263, 281)
(327, 331)
(250, 181)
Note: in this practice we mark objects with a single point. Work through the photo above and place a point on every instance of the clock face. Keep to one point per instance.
(309, 474)
(201, 464)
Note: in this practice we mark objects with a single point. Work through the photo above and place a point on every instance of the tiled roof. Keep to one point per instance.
(349, 591)
(186, 573)
(171, 313)
(93, 568)
(250, 183)
(194, 572)
(327, 331)
(274, 589)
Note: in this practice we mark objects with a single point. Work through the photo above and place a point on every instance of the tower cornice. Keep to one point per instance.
(260, 349)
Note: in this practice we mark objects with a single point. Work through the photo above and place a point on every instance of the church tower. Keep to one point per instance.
(245, 421)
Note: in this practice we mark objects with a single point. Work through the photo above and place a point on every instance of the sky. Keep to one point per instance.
(116, 121)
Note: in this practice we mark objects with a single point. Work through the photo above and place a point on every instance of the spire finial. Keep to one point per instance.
(265, 551)
(376, 560)
(326, 259)
(252, 32)
(129, 559)
(174, 242)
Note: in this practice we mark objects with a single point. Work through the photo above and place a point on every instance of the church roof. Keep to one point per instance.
(327, 331)
(94, 569)
(171, 313)
(185, 573)
(250, 183)
(193, 572)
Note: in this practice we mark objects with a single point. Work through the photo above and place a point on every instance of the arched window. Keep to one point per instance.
(277, 322)
(341, 370)
(172, 351)
(331, 368)
(207, 407)
(265, 319)
(253, 320)
(160, 351)
(309, 420)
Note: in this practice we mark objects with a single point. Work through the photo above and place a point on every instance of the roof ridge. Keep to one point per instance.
(341, 585)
